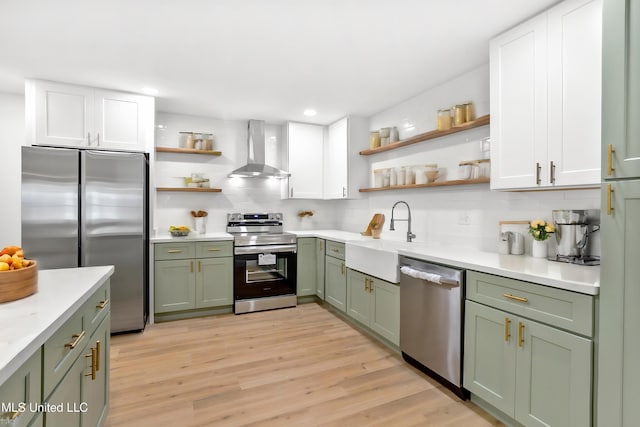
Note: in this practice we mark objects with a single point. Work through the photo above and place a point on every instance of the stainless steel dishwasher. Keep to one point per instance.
(431, 320)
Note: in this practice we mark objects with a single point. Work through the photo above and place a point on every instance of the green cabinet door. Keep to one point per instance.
(336, 283)
(214, 282)
(68, 393)
(489, 359)
(174, 285)
(619, 340)
(553, 377)
(385, 310)
(621, 88)
(95, 391)
(320, 252)
(358, 296)
(307, 274)
(23, 390)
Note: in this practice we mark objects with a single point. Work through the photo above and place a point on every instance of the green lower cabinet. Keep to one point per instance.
(213, 282)
(320, 254)
(534, 373)
(21, 393)
(174, 285)
(335, 283)
(95, 389)
(306, 266)
(374, 303)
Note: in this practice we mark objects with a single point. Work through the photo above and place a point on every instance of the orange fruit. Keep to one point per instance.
(6, 258)
(4, 266)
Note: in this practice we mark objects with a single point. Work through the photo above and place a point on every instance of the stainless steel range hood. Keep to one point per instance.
(256, 167)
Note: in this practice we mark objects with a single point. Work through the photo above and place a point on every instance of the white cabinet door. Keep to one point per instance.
(336, 172)
(306, 143)
(519, 105)
(123, 120)
(574, 84)
(59, 114)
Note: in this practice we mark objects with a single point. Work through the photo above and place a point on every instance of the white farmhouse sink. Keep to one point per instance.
(377, 258)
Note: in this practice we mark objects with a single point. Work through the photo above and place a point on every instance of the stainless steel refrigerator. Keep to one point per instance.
(85, 208)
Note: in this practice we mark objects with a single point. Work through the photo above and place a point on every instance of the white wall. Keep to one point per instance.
(11, 140)
(237, 194)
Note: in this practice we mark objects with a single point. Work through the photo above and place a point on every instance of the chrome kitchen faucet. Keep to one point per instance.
(410, 235)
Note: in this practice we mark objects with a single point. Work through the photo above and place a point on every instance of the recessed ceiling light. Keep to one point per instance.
(149, 90)
(310, 112)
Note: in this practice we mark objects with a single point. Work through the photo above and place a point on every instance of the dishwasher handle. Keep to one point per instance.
(429, 277)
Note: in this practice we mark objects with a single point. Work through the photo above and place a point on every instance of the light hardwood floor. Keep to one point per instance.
(302, 366)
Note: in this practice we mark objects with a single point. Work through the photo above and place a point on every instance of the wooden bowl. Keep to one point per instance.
(17, 284)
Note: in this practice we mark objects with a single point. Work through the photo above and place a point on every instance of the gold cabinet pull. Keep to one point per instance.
(610, 191)
(198, 266)
(213, 249)
(342, 267)
(610, 152)
(14, 415)
(538, 169)
(507, 329)
(78, 338)
(98, 346)
(513, 297)
(174, 251)
(321, 246)
(335, 250)
(93, 364)
(366, 284)
(102, 304)
(520, 334)
(191, 263)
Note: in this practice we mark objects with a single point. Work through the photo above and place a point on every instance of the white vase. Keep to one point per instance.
(539, 249)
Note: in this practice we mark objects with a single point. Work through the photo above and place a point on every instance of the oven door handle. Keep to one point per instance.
(267, 249)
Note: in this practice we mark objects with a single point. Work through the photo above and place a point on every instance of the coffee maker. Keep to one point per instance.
(572, 237)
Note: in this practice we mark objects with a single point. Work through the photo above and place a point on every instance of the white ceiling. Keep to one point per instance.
(262, 59)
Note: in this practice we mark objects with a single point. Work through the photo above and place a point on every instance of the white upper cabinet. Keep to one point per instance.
(545, 99)
(66, 115)
(323, 160)
(305, 148)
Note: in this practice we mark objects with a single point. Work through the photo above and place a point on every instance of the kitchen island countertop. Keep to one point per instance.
(577, 278)
(26, 324)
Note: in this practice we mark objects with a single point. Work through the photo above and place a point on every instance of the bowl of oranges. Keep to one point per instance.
(18, 275)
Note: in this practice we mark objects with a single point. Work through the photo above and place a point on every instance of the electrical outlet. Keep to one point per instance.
(464, 218)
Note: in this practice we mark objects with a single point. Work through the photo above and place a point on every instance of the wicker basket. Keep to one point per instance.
(17, 284)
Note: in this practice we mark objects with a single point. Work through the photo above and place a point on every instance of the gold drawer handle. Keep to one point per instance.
(98, 355)
(93, 364)
(174, 251)
(78, 338)
(609, 205)
(214, 249)
(335, 250)
(610, 152)
(507, 329)
(520, 334)
(102, 304)
(14, 415)
(342, 267)
(366, 284)
(513, 297)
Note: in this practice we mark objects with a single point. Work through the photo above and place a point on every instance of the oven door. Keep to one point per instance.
(264, 274)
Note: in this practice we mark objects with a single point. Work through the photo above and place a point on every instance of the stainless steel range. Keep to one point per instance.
(264, 262)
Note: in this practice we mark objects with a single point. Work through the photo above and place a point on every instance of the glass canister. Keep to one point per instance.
(187, 140)
(444, 119)
(459, 115)
(374, 139)
(400, 175)
(207, 141)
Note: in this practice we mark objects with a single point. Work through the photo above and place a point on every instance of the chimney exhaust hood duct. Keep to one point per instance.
(256, 167)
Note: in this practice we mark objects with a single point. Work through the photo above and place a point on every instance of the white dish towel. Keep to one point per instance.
(429, 277)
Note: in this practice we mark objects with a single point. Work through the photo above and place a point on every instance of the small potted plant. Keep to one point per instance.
(541, 230)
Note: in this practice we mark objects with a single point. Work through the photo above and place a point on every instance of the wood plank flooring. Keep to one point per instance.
(302, 366)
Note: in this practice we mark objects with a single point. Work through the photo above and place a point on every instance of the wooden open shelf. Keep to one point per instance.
(190, 190)
(480, 121)
(431, 184)
(187, 151)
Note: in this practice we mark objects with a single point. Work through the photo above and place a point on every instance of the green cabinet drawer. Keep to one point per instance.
(62, 349)
(557, 307)
(21, 393)
(335, 249)
(214, 249)
(178, 250)
(97, 307)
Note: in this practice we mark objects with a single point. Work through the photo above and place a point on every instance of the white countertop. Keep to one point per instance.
(26, 324)
(577, 278)
(192, 237)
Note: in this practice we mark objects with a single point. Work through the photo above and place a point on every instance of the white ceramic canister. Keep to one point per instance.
(421, 177)
(410, 176)
(400, 175)
(393, 177)
(377, 178)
